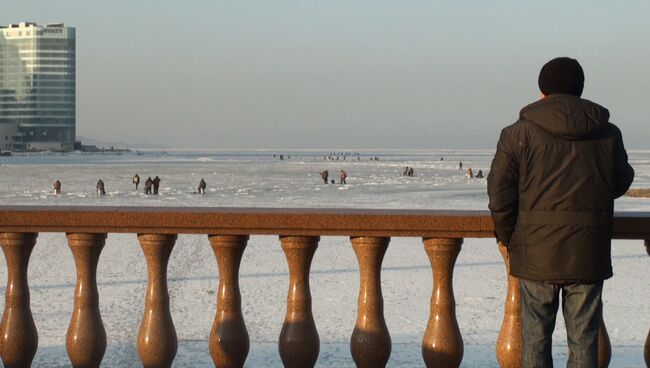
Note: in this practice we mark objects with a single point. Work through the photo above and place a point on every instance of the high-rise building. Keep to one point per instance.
(37, 87)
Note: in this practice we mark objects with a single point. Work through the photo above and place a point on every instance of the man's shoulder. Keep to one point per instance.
(613, 128)
(517, 127)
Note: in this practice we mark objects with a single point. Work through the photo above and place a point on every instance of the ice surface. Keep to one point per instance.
(257, 179)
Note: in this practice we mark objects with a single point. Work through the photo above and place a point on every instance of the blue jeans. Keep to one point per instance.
(582, 309)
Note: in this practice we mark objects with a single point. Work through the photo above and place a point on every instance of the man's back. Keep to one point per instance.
(552, 186)
(556, 174)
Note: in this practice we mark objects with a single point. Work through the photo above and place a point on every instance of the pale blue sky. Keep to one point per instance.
(340, 73)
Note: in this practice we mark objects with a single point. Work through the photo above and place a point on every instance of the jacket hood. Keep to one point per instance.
(567, 116)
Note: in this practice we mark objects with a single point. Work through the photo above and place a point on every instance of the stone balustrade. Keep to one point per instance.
(228, 230)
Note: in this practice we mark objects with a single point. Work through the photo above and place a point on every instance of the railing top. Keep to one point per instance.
(273, 221)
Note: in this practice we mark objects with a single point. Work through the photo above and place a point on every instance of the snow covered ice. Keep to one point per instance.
(257, 179)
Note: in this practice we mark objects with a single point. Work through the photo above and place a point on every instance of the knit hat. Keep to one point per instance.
(562, 75)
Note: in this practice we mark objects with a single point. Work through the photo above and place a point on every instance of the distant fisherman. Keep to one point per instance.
(156, 184)
(147, 185)
(57, 187)
(343, 176)
(460, 165)
(100, 188)
(136, 181)
(469, 173)
(202, 186)
(479, 174)
(324, 175)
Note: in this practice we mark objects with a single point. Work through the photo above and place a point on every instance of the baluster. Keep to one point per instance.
(229, 341)
(509, 341)
(18, 335)
(646, 354)
(299, 343)
(370, 343)
(604, 345)
(86, 337)
(442, 345)
(157, 341)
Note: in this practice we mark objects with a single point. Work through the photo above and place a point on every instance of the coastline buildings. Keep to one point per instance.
(37, 87)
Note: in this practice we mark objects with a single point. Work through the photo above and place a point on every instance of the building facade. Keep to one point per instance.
(37, 87)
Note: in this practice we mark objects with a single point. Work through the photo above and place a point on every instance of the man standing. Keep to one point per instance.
(202, 186)
(100, 188)
(57, 187)
(552, 185)
(324, 175)
(147, 185)
(156, 184)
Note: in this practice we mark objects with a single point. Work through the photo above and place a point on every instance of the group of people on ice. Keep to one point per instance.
(469, 173)
(342, 177)
(151, 186)
(408, 171)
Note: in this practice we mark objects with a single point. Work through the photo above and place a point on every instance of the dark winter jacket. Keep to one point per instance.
(552, 186)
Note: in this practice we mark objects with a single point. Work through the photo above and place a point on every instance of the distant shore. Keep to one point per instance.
(642, 193)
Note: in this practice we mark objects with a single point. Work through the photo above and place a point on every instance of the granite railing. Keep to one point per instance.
(228, 230)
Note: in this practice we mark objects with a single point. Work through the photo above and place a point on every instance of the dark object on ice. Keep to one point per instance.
(325, 175)
(57, 187)
(343, 176)
(202, 186)
(479, 174)
(100, 188)
(147, 185)
(156, 184)
(136, 180)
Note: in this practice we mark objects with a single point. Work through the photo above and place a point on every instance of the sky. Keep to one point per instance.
(376, 74)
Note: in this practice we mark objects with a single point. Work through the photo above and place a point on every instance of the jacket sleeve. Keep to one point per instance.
(624, 172)
(503, 188)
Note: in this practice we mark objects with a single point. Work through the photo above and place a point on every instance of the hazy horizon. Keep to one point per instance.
(365, 74)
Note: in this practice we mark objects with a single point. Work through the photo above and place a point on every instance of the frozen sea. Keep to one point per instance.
(258, 179)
